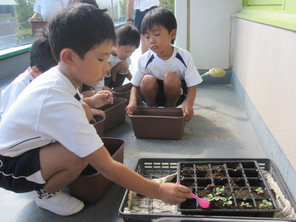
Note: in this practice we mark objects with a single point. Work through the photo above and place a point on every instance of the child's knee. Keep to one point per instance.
(148, 82)
(123, 67)
(171, 80)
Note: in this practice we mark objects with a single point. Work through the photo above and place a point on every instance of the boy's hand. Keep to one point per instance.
(102, 98)
(188, 111)
(130, 108)
(97, 112)
(172, 193)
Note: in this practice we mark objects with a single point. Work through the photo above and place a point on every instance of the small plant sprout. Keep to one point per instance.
(226, 201)
(265, 204)
(220, 190)
(259, 190)
(245, 204)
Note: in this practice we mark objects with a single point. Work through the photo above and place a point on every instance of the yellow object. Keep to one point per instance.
(217, 72)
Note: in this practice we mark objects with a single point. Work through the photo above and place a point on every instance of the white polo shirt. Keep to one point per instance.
(142, 5)
(48, 110)
(12, 91)
(47, 8)
(180, 62)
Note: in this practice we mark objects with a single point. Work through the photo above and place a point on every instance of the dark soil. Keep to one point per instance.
(242, 193)
(218, 166)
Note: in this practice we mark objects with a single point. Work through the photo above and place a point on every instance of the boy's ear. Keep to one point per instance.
(173, 33)
(35, 71)
(67, 56)
(115, 45)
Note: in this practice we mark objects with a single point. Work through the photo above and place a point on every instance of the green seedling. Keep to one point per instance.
(245, 204)
(225, 200)
(220, 190)
(259, 190)
(228, 201)
(265, 204)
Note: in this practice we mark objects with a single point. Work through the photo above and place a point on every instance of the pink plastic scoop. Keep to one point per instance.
(204, 203)
(201, 201)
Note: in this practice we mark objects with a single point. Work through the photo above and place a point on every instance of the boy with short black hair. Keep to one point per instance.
(49, 148)
(127, 41)
(41, 60)
(166, 74)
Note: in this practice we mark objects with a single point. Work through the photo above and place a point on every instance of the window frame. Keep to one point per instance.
(278, 13)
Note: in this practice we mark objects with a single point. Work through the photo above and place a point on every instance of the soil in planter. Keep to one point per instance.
(234, 166)
(218, 204)
(230, 186)
(245, 204)
(218, 166)
(260, 192)
(187, 182)
(242, 193)
(218, 174)
(262, 206)
(202, 171)
(188, 173)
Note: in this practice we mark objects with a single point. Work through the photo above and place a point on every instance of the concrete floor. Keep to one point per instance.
(219, 129)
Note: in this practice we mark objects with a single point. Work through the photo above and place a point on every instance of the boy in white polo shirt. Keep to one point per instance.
(41, 60)
(166, 74)
(49, 148)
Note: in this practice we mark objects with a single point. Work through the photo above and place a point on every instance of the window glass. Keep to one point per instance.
(14, 26)
(15, 30)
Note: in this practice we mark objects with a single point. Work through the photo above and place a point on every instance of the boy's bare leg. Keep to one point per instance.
(59, 166)
(149, 89)
(121, 67)
(172, 89)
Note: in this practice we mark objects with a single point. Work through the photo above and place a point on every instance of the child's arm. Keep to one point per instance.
(188, 104)
(129, 75)
(126, 177)
(133, 102)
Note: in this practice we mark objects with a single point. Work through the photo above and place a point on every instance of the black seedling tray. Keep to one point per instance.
(233, 188)
(160, 167)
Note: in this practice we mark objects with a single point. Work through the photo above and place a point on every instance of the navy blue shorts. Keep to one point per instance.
(140, 15)
(22, 173)
(160, 97)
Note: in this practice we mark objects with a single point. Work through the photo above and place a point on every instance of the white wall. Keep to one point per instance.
(264, 61)
(205, 29)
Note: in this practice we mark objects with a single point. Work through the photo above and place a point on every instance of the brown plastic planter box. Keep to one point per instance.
(99, 125)
(115, 113)
(90, 186)
(38, 27)
(158, 123)
(123, 91)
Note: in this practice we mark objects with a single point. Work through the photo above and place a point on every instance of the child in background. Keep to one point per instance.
(166, 74)
(127, 41)
(41, 152)
(41, 60)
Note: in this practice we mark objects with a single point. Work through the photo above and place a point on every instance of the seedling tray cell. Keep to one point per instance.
(158, 123)
(159, 167)
(115, 113)
(230, 186)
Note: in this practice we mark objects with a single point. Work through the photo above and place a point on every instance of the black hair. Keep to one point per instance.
(91, 2)
(128, 35)
(161, 17)
(40, 54)
(80, 27)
